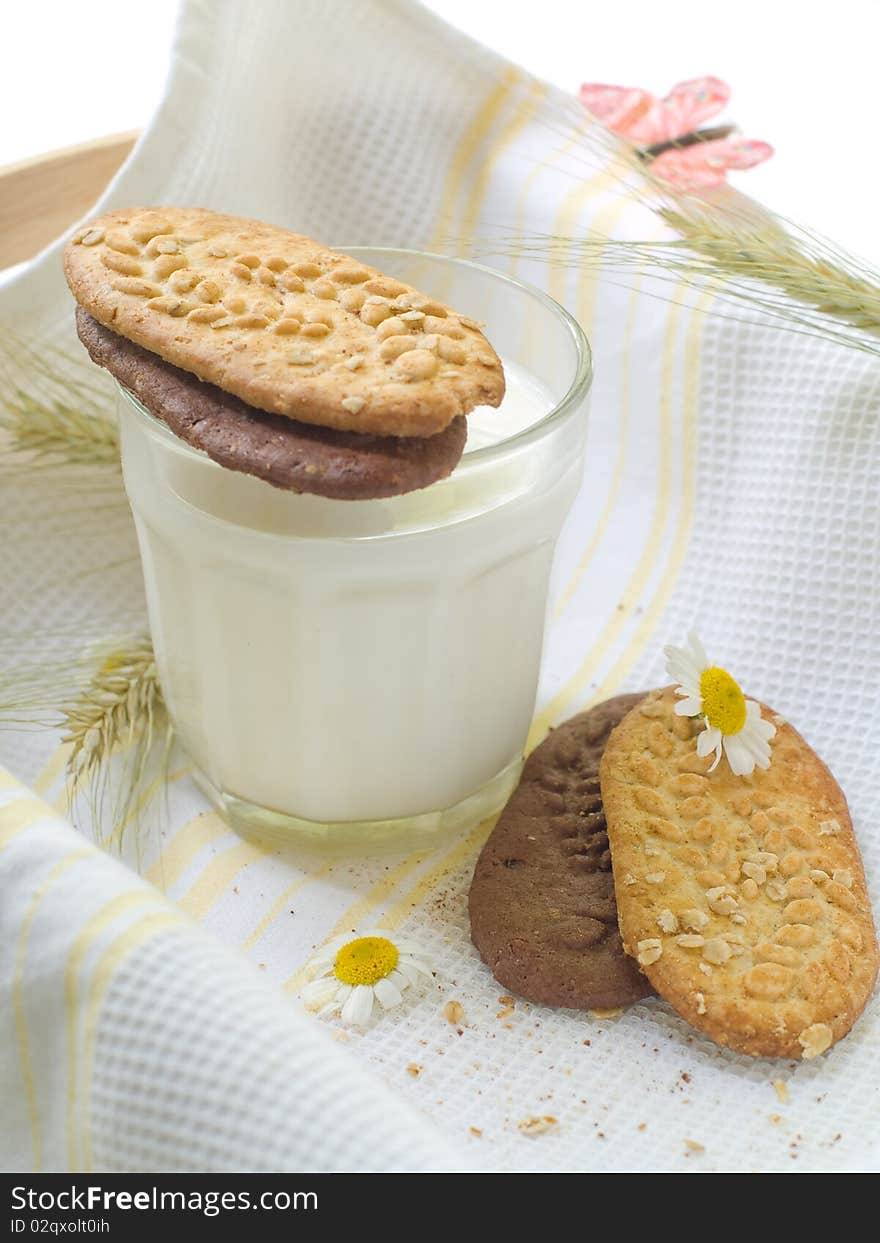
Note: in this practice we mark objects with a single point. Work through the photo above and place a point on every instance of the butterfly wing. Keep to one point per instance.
(705, 165)
(691, 103)
(645, 120)
(626, 110)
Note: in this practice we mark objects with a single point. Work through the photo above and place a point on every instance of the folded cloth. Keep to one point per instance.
(133, 1041)
(731, 482)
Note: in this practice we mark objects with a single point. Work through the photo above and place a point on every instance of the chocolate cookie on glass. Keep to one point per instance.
(277, 356)
(299, 457)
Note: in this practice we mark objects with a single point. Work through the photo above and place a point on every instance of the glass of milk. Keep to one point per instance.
(361, 674)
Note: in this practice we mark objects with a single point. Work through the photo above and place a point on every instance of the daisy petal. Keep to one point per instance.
(699, 652)
(387, 995)
(410, 947)
(421, 967)
(404, 971)
(756, 747)
(323, 960)
(751, 732)
(709, 740)
(738, 757)
(325, 956)
(401, 980)
(318, 992)
(754, 718)
(358, 1006)
(335, 1004)
(689, 707)
(692, 667)
(681, 668)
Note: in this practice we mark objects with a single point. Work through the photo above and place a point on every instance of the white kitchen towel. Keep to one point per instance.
(731, 482)
(130, 1040)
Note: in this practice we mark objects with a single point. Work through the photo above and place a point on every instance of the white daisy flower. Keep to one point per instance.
(734, 724)
(353, 971)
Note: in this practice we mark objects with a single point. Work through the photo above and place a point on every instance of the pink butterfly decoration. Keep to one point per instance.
(668, 133)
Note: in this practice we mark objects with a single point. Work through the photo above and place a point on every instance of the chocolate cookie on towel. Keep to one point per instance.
(542, 907)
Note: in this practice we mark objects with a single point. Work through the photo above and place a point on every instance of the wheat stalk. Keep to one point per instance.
(118, 712)
(753, 261)
(107, 702)
(122, 699)
(52, 409)
(803, 268)
(108, 705)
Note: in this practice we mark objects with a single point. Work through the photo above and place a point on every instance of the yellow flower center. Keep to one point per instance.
(724, 704)
(366, 960)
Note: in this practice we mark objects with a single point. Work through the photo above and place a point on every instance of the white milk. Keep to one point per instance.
(368, 677)
(334, 663)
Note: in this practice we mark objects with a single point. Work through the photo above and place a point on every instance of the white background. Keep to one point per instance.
(803, 75)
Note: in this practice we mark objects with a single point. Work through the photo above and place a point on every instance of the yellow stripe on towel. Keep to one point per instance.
(85, 940)
(471, 141)
(282, 900)
(19, 815)
(519, 122)
(690, 403)
(647, 563)
(216, 879)
(18, 1004)
(189, 841)
(108, 965)
(425, 885)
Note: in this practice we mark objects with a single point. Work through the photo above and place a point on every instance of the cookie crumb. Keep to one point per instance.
(642, 1126)
(475, 1130)
(453, 1012)
(414, 1069)
(780, 1087)
(537, 1126)
(815, 1040)
(692, 1146)
(509, 1006)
